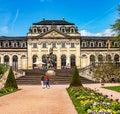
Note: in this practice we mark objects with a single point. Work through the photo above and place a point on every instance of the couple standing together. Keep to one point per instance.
(46, 81)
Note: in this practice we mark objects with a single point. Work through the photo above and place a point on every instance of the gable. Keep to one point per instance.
(54, 34)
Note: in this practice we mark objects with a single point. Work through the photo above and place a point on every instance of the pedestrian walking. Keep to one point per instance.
(42, 81)
(47, 82)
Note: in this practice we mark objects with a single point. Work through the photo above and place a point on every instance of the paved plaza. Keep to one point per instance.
(35, 100)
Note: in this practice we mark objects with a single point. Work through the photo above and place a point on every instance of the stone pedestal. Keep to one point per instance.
(50, 72)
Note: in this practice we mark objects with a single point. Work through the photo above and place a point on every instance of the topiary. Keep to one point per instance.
(76, 81)
(11, 82)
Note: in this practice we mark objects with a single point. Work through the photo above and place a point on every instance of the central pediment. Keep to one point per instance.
(53, 34)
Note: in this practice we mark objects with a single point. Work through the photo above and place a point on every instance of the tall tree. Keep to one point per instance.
(116, 26)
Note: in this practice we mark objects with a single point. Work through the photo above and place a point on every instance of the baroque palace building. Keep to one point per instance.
(69, 47)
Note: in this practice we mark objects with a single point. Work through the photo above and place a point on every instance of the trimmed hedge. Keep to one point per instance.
(11, 82)
(76, 81)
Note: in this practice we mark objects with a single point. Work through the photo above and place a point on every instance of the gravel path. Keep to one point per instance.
(35, 100)
(111, 94)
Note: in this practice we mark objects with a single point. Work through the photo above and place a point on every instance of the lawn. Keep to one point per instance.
(115, 88)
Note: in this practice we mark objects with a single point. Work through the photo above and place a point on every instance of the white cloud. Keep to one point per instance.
(107, 32)
(4, 30)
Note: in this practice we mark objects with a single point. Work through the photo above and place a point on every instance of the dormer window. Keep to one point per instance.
(34, 30)
(44, 30)
(83, 44)
(91, 44)
(15, 45)
(10, 44)
(99, 44)
(6, 45)
(72, 30)
(116, 44)
(63, 30)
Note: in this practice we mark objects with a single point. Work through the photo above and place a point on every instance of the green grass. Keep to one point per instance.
(5, 91)
(114, 88)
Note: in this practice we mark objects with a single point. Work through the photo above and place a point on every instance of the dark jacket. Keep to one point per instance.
(42, 78)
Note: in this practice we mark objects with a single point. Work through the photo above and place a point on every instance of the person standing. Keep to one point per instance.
(42, 81)
(47, 82)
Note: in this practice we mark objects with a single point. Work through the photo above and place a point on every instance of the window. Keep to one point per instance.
(72, 30)
(83, 44)
(44, 30)
(115, 44)
(6, 45)
(35, 30)
(44, 45)
(72, 45)
(34, 45)
(100, 44)
(23, 44)
(91, 44)
(10, 44)
(54, 45)
(63, 30)
(63, 45)
(15, 45)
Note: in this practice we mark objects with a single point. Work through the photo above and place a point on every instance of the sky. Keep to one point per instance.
(92, 17)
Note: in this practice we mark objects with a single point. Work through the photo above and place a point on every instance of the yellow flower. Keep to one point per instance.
(88, 111)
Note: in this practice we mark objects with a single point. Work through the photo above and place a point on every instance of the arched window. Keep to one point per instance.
(34, 59)
(108, 58)
(55, 60)
(92, 59)
(116, 57)
(63, 61)
(100, 58)
(44, 59)
(6, 60)
(116, 60)
(15, 62)
(72, 61)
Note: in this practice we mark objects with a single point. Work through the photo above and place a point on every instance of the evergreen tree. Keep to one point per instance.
(76, 81)
(11, 82)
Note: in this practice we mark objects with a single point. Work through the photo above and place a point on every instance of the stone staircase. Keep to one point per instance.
(63, 76)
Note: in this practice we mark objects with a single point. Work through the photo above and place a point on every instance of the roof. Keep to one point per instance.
(13, 38)
(53, 22)
(96, 37)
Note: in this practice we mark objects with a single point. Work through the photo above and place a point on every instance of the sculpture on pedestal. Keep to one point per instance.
(50, 63)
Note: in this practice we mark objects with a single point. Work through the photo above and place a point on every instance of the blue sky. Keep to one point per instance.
(92, 17)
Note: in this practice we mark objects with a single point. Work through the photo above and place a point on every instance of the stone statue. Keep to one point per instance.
(50, 60)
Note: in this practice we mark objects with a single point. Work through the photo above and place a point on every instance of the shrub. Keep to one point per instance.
(11, 82)
(76, 81)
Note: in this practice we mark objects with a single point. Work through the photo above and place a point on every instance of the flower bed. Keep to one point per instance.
(88, 101)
